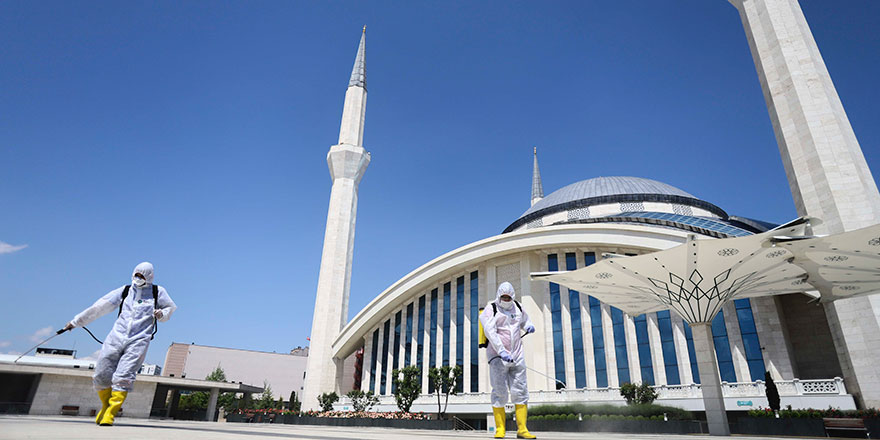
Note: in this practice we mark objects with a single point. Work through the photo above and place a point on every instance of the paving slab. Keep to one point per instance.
(84, 428)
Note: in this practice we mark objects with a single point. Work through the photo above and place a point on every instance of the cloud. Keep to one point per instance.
(41, 334)
(93, 356)
(6, 248)
(4, 344)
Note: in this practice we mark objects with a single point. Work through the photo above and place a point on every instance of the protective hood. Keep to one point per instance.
(145, 269)
(505, 289)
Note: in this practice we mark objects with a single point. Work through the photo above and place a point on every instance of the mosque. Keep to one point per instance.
(819, 355)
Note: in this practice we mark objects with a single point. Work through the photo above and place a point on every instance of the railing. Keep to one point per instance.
(795, 387)
(461, 425)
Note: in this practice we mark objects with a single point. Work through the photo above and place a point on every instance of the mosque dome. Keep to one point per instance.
(606, 196)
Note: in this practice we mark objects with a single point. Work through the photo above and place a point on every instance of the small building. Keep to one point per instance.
(47, 386)
(283, 372)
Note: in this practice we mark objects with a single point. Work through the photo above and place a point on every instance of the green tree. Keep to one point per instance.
(628, 391)
(407, 386)
(294, 404)
(198, 400)
(267, 401)
(327, 400)
(645, 394)
(445, 380)
(362, 401)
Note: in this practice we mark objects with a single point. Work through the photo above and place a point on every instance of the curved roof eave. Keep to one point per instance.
(379, 308)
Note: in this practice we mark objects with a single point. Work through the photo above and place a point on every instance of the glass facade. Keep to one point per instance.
(373, 357)
(667, 342)
(751, 343)
(646, 365)
(447, 303)
(556, 315)
(396, 351)
(598, 342)
(459, 329)
(385, 332)
(722, 348)
(577, 336)
(617, 325)
(432, 347)
(475, 319)
(407, 350)
(692, 354)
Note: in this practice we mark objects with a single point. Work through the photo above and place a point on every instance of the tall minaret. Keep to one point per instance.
(348, 161)
(827, 172)
(537, 187)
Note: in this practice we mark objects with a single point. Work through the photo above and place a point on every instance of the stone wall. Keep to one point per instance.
(55, 391)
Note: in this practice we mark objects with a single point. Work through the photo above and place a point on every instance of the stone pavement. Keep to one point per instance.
(84, 428)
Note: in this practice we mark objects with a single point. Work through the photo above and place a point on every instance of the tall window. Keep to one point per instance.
(722, 348)
(692, 354)
(475, 320)
(620, 345)
(577, 336)
(667, 342)
(556, 315)
(646, 365)
(408, 342)
(459, 328)
(447, 302)
(598, 342)
(420, 336)
(432, 348)
(373, 357)
(396, 351)
(385, 332)
(749, 332)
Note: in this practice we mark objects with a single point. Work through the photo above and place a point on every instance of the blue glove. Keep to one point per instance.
(505, 356)
(530, 329)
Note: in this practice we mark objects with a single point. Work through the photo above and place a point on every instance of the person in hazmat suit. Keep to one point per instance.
(503, 321)
(140, 306)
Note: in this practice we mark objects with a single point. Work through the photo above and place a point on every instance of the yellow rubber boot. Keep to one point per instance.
(499, 421)
(104, 395)
(522, 413)
(116, 399)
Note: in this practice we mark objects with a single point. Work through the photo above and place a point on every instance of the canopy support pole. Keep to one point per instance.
(713, 399)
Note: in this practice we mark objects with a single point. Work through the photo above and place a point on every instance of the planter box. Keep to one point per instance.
(781, 426)
(628, 426)
(873, 426)
(379, 423)
(236, 418)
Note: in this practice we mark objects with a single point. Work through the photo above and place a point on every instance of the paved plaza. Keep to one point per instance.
(83, 428)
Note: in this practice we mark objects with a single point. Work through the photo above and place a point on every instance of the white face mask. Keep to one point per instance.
(506, 305)
(139, 282)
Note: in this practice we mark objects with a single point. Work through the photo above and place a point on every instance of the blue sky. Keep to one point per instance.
(194, 135)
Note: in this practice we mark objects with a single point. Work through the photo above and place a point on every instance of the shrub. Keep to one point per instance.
(628, 391)
(646, 410)
(327, 400)
(362, 401)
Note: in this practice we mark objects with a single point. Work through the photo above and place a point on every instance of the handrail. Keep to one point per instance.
(461, 425)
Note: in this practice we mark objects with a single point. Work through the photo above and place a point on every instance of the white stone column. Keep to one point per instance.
(656, 344)
(368, 361)
(734, 338)
(466, 340)
(681, 350)
(827, 172)
(487, 283)
(632, 349)
(713, 400)
(534, 299)
(567, 342)
(587, 328)
(610, 354)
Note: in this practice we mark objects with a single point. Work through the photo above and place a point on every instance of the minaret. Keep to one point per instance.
(348, 161)
(537, 187)
(827, 172)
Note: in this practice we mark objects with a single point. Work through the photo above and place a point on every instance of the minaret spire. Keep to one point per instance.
(348, 162)
(537, 187)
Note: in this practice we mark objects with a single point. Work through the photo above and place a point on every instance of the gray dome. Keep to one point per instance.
(602, 190)
(606, 186)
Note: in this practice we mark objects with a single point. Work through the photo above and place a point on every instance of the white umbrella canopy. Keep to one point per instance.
(696, 278)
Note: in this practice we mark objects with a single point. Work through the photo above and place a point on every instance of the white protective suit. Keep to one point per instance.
(504, 332)
(125, 347)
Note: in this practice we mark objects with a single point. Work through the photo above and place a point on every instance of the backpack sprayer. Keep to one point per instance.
(484, 342)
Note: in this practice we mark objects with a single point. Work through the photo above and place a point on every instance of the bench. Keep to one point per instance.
(844, 424)
(69, 410)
